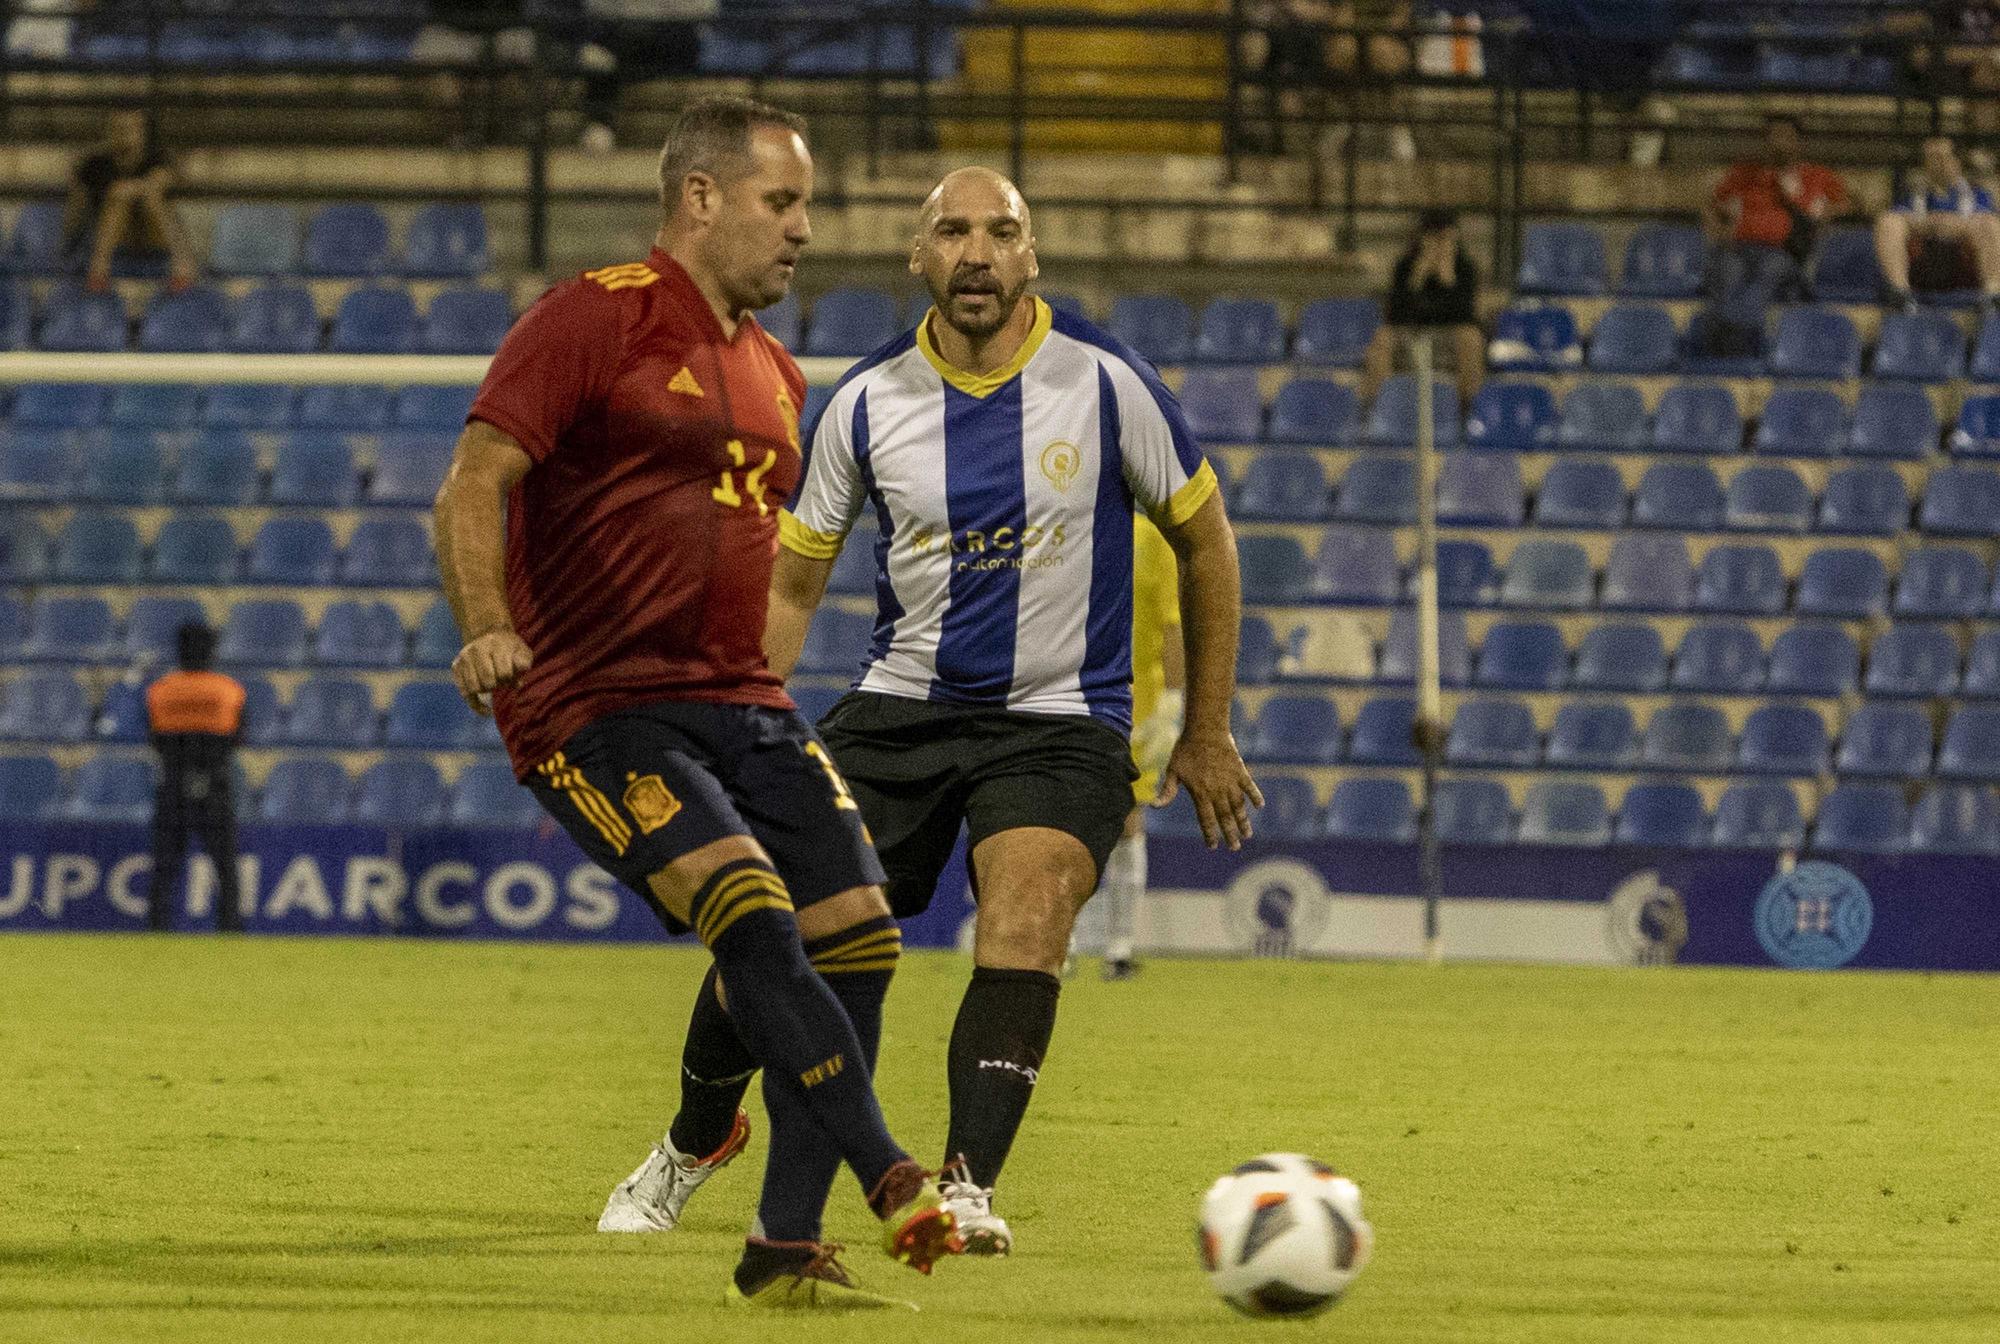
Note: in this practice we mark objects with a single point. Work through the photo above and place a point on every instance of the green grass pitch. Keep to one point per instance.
(255, 1140)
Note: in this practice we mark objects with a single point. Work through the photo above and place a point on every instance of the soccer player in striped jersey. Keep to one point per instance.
(606, 536)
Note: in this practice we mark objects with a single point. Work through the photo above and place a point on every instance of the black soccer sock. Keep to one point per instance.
(715, 1073)
(997, 1046)
(790, 1021)
(857, 964)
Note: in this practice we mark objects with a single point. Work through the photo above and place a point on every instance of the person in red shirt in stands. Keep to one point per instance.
(1766, 214)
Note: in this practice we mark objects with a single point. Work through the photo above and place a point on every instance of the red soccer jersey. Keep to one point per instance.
(1760, 192)
(639, 545)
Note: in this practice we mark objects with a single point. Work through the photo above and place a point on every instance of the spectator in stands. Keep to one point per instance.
(195, 715)
(1942, 234)
(118, 201)
(1298, 51)
(1435, 284)
(1963, 37)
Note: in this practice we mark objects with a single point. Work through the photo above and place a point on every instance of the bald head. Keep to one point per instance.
(980, 190)
(975, 251)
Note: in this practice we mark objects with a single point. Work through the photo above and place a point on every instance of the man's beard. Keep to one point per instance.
(1005, 302)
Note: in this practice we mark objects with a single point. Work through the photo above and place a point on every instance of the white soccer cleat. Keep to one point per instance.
(651, 1198)
(983, 1231)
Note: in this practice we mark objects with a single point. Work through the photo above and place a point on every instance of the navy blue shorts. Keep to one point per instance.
(641, 787)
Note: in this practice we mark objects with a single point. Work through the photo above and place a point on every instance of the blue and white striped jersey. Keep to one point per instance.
(1005, 500)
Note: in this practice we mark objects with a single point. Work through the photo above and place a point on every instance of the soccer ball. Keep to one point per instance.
(1283, 1235)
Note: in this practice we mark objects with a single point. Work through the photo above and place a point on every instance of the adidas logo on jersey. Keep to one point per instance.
(684, 383)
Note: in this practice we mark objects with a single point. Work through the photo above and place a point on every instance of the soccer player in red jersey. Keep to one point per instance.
(606, 535)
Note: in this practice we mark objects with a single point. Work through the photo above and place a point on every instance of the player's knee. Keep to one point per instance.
(870, 946)
(1027, 927)
(741, 903)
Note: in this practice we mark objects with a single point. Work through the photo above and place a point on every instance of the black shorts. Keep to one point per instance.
(919, 769)
(641, 787)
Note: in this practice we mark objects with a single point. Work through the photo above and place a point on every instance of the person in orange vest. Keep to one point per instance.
(195, 714)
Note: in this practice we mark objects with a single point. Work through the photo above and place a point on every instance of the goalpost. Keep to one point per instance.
(1430, 711)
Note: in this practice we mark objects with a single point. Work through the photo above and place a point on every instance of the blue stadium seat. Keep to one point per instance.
(1633, 338)
(432, 406)
(44, 706)
(16, 314)
(1296, 729)
(1313, 411)
(13, 627)
(153, 623)
(1522, 656)
(75, 319)
(269, 632)
(38, 465)
(1223, 405)
(1767, 499)
(1562, 259)
(1985, 365)
(446, 241)
(1978, 431)
(217, 467)
(1684, 496)
(122, 718)
(375, 320)
(1381, 733)
(395, 552)
(1886, 739)
(1274, 569)
(123, 466)
(1593, 735)
(435, 642)
(1620, 657)
(1813, 660)
(315, 468)
(1982, 665)
(69, 630)
(36, 245)
(1664, 261)
(359, 634)
(347, 240)
(1686, 736)
(1843, 582)
(275, 319)
(1392, 420)
(30, 788)
(1815, 343)
(1872, 818)
(1550, 574)
(1479, 490)
(255, 240)
(59, 405)
(433, 716)
(1971, 745)
(194, 548)
(1845, 270)
(851, 322)
(1378, 489)
(1466, 573)
(854, 568)
(1697, 418)
(837, 642)
(1240, 331)
(468, 321)
(1960, 502)
(305, 790)
(194, 320)
(1562, 812)
(1603, 417)
(296, 551)
(1535, 339)
(1356, 566)
(1493, 732)
(24, 549)
(1663, 815)
(1801, 422)
(1893, 420)
(1724, 657)
(113, 789)
(1515, 417)
(1257, 653)
(153, 406)
(1473, 812)
(410, 467)
(785, 320)
(1784, 740)
(1399, 649)
(1758, 814)
(1956, 819)
(1780, 65)
(356, 408)
(401, 793)
(332, 712)
(97, 548)
(487, 794)
(1924, 347)
(1648, 573)
(1866, 500)
(1371, 809)
(1336, 332)
(1581, 494)
(1158, 326)
(1948, 582)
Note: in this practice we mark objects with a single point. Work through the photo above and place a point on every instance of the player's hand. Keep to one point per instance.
(493, 660)
(1208, 766)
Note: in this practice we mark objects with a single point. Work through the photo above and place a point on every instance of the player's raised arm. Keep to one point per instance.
(471, 529)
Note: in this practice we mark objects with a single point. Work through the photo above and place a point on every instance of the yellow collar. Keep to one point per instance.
(984, 384)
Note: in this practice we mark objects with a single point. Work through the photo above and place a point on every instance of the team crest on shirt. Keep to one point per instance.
(1061, 461)
(651, 803)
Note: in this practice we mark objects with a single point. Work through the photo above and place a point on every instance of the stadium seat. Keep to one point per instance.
(30, 788)
(1948, 819)
(1336, 332)
(123, 466)
(851, 322)
(1466, 576)
(1603, 417)
(60, 405)
(355, 408)
(1378, 489)
(44, 706)
(1893, 420)
(1843, 582)
(1493, 733)
(1399, 649)
(1473, 812)
(69, 630)
(76, 320)
(431, 715)
(1593, 735)
(1662, 815)
(117, 789)
(297, 551)
(1356, 566)
(392, 552)
(13, 627)
(1783, 740)
(1815, 343)
(1801, 422)
(1845, 270)
(1971, 745)
(1872, 818)
(400, 793)
(446, 241)
(1371, 809)
(1923, 347)
(1620, 658)
(837, 642)
(1813, 660)
(1960, 502)
(1886, 739)
(38, 465)
(1158, 326)
(1982, 665)
(35, 247)
(150, 406)
(432, 406)
(1686, 736)
(1392, 420)
(255, 240)
(410, 467)
(347, 240)
(268, 632)
(467, 321)
(1721, 657)
(97, 548)
(331, 712)
(16, 314)
(374, 320)
(1381, 735)
(1745, 580)
(1697, 418)
(1758, 814)
(315, 468)
(1985, 364)
(1257, 653)
(1633, 338)
(1240, 331)
(1313, 411)
(1275, 569)
(1297, 730)
(1977, 433)
(305, 790)
(194, 549)
(1222, 405)
(1684, 496)
(217, 467)
(1562, 259)
(1537, 339)
(1767, 499)
(1947, 582)
(195, 320)
(1547, 574)
(1648, 573)
(1522, 656)
(1562, 812)
(1664, 261)
(275, 319)
(153, 624)
(359, 634)
(854, 568)
(1479, 490)
(435, 642)
(1865, 500)
(487, 794)
(1514, 417)
(784, 321)
(122, 717)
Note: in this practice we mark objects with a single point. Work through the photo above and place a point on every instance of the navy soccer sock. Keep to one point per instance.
(997, 1045)
(715, 1072)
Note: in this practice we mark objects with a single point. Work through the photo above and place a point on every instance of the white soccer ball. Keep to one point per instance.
(1283, 1235)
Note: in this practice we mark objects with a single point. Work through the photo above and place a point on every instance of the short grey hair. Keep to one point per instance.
(712, 135)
